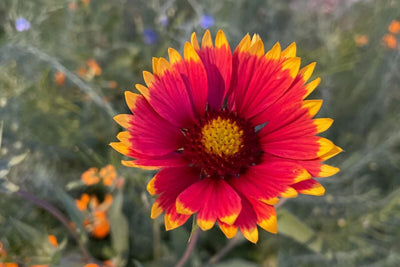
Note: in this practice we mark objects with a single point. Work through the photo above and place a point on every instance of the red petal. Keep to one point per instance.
(173, 159)
(173, 180)
(281, 171)
(284, 110)
(218, 65)
(213, 199)
(259, 185)
(151, 134)
(257, 83)
(302, 148)
(195, 78)
(170, 98)
(301, 126)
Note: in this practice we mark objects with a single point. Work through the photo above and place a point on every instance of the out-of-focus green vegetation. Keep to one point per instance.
(64, 66)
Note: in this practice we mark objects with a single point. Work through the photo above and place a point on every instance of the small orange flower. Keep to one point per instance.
(91, 265)
(82, 203)
(361, 40)
(94, 67)
(90, 177)
(109, 263)
(101, 225)
(112, 84)
(389, 41)
(108, 174)
(59, 78)
(8, 264)
(394, 27)
(53, 240)
(96, 221)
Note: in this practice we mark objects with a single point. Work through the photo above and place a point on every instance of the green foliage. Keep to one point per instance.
(51, 132)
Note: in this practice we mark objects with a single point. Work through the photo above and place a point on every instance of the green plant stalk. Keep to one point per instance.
(59, 216)
(194, 236)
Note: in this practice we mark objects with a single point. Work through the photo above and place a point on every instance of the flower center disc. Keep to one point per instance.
(222, 137)
(222, 145)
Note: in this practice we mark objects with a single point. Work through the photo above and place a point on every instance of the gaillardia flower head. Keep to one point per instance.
(230, 133)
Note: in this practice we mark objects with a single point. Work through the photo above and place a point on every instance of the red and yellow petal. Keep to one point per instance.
(317, 169)
(312, 106)
(309, 187)
(228, 230)
(247, 221)
(262, 186)
(258, 82)
(168, 89)
(300, 125)
(198, 89)
(131, 99)
(149, 134)
(181, 178)
(302, 148)
(217, 62)
(266, 215)
(173, 220)
(172, 180)
(212, 199)
(280, 171)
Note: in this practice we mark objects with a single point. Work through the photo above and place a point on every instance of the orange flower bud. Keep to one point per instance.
(59, 78)
(389, 41)
(53, 240)
(90, 177)
(394, 27)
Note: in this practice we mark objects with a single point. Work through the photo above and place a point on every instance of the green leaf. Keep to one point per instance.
(291, 226)
(17, 159)
(119, 229)
(29, 233)
(7, 187)
(75, 215)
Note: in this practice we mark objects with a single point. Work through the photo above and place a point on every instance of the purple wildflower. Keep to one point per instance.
(150, 37)
(206, 21)
(21, 24)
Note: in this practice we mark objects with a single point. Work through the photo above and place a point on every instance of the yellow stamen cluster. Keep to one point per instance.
(222, 137)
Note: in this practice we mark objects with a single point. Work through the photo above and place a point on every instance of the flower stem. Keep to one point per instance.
(238, 239)
(189, 249)
(56, 213)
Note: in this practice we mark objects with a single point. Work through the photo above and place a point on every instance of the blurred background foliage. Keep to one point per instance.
(64, 66)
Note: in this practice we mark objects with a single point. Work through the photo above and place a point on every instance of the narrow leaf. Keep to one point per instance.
(291, 226)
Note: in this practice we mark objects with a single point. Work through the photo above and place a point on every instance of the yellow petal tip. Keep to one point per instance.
(180, 208)
(251, 234)
(156, 210)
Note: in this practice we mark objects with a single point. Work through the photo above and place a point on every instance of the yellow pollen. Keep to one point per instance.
(222, 137)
